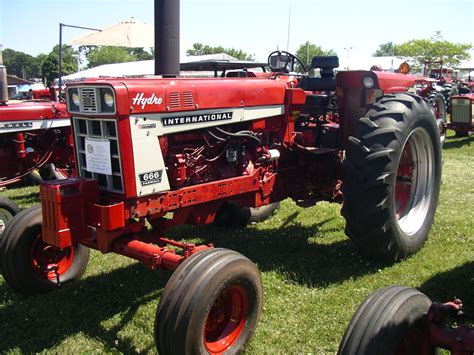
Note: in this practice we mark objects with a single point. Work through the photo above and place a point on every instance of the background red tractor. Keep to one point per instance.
(445, 80)
(34, 135)
(462, 114)
(160, 152)
(403, 320)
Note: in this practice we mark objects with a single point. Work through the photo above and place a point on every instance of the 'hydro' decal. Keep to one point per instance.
(143, 101)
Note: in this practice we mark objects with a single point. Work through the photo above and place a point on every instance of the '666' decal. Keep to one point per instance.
(153, 177)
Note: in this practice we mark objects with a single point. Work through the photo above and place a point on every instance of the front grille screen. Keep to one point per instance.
(89, 100)
(460, 112)
(105, 130)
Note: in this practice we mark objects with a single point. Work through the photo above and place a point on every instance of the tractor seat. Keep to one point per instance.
(327, 81)
(318, 84)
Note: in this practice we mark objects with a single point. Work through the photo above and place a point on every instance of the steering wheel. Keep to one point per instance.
(282, 61)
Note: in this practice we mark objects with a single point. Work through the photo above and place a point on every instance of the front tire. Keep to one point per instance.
(31, 266)
(393, 175)
(389, 321)
(8, 209)
(211, 304)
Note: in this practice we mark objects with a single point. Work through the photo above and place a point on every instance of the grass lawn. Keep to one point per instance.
(313, 278)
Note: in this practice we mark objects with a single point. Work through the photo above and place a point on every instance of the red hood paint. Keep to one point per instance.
(149, 95)
(471, 96)
(33, 110)
(386, 81)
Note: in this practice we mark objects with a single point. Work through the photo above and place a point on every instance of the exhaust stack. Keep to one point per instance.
(3, 81)
(167, 38)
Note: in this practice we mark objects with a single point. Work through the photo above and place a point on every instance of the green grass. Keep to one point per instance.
(312, 277)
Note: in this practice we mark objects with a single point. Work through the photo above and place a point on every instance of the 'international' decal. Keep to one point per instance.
(20, 125)
(209, 117)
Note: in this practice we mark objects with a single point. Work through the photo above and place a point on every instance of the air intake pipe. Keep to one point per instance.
(167, 38)
(3, 81)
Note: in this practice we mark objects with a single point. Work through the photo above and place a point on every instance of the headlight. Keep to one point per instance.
(75, 98)
(368, 82)
(107, 100)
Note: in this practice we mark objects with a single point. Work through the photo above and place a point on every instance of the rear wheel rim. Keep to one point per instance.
(5, 216)
(226, 319)
(50, 262)
(414, 182)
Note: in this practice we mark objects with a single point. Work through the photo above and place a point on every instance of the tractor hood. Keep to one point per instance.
(32, 110)
(386, 81)
(173, 95)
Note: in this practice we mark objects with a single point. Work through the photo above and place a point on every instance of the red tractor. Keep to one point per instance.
(155, 153)
(402, 320)
(34, 135)
(444, 80)
(462, 114)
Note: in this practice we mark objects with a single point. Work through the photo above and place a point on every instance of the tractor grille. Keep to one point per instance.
(89, 100)
(102, 130)
(460, 111)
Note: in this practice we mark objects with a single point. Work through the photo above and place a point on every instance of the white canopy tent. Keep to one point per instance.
(127, 33)
(139, 68)
(470, 74)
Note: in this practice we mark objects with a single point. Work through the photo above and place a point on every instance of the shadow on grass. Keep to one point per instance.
(78, 307)
(298, 253)
(455, 283)
(454, 142)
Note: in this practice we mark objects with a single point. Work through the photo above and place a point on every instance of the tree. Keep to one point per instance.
(434, 49)
(141, 54)
(108, 54)
(21, 64)
(201, 49)
(307, 51)
(50, 65)
(388, 49)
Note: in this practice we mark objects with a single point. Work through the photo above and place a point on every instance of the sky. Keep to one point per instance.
(256, 26)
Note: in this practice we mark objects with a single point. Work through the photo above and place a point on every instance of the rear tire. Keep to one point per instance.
(437, 102)
(448, 91)
(211, 304)
(393, 175)
(51, 172)
(232, 215)
(460, 134)
(389, 321)
(33, 178)
(28, 263)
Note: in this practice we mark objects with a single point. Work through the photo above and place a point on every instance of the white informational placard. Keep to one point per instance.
(98, 158)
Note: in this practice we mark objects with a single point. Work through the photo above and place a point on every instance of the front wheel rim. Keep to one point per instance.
(226, 319)
(50, 262)
(415, 181)
(5, 216)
